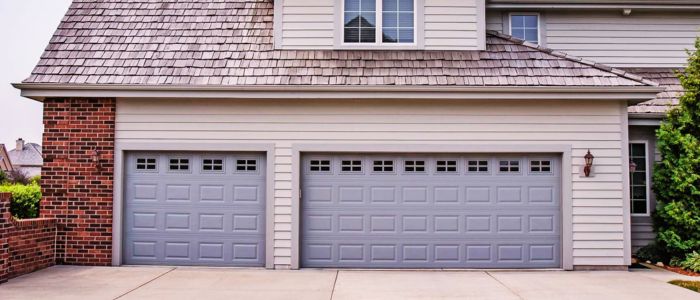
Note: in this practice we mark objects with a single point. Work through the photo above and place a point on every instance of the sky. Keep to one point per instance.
(26, 26)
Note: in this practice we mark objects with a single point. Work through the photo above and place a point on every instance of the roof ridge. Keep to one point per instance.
(603, 67)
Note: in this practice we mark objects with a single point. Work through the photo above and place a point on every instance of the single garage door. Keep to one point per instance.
(431, 211)
(194, 209)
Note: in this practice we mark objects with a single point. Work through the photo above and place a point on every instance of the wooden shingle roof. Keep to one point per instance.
(229, 42)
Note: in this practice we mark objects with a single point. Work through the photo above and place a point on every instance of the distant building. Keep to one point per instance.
(27, 158)
(5, 164)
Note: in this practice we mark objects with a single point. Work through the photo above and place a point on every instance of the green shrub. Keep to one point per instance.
(677, 176)
(3, 177)
(691, 262)
(35, 180)
(653, 253)
(25, 199)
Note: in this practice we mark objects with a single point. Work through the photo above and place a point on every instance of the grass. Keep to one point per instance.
(691, 285)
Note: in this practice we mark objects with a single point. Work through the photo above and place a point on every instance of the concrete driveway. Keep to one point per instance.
(70, 282)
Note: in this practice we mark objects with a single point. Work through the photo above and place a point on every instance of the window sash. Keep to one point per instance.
(636, 187)
(524, 28)
(379, 28)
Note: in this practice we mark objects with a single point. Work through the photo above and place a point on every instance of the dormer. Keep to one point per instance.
(380, 24)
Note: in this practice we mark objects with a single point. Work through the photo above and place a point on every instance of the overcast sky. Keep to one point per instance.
(26, 26)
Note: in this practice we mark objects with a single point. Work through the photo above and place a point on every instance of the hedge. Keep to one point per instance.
(25, 199)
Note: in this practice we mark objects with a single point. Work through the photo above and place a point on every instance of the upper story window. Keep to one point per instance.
(525, 26)
(379, 21)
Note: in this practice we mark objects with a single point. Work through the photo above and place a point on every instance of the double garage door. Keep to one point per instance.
(357, 211)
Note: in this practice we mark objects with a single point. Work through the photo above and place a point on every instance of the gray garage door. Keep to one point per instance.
(194, 209)
(431, 211)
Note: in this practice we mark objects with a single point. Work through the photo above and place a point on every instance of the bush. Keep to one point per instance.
(19, 177)
(653, 253)
(35, 180)
(25, 199)
(677, 176)
(3, 177)
(691, 262)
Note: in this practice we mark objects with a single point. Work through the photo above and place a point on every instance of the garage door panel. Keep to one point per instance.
(198, 217)
(428, 219)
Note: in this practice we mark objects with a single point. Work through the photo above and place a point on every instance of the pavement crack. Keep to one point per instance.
(335, 280)
(145, 283)
(505, 286)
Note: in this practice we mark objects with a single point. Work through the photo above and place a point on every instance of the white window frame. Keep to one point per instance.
(647, 176)
(378, 29)
(539, 24)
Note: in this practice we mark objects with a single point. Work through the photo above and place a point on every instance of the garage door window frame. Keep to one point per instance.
(121, 165)
(563, 151)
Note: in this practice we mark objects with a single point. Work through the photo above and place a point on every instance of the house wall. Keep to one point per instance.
(642, 227)
(440, 24)
(599, 226)
(643, 39)
(74, 190)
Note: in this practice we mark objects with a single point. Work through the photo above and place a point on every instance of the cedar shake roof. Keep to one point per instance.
(665, 78)
(229, 42)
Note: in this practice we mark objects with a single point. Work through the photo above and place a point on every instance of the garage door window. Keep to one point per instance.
(478, 166)
(320, 165)
(146, 164)
(540, 166)
(509, 166)
(351, 166)
(383, 166)
(446, 166)
(246, 165)
(179, 164)
(212, 165)
(414, 166)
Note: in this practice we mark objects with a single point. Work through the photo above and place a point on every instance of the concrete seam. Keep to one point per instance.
(505, 286)
(145, 283)
(335, 281)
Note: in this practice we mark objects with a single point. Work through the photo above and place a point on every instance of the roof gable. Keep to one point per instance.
(229, 42)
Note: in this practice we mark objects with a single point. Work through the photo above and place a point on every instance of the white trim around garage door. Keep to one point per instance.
(118, 200)
(566, 177)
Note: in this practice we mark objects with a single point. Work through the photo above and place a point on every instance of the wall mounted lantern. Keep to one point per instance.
(96, 159)
(633, 166)
(589, 163)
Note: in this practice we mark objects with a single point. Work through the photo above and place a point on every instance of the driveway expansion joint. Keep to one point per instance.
(145, 283)
(504, 285)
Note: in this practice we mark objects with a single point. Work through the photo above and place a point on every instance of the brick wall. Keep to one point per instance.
(75, 190)
(25, 245)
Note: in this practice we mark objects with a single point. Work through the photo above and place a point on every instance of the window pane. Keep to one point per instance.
(639, 207)
(406, 5)
(406, 20)
(352, 35)
(369, 5)
(367, 35)
(390, 19)
(516, 21)
(405, 35)
(390, 35)
(637, 150)
(639, 192)
(641, 164)
(352, 19)
(390, 5)
(368, 19)
(530, 21)
(518, 33)
(531, 35)
(352, 5)
(639, 178)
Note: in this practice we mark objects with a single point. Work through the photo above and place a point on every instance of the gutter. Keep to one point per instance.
(632, 94)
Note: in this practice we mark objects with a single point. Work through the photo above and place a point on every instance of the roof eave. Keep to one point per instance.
(632, 94)
(591, 6)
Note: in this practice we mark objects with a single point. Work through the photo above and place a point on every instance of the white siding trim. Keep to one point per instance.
(627, 219)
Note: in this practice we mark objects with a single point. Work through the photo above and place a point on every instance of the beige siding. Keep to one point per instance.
(307, 24)
(598, 227)
(453, 24)
(643, 39)
(441, 24)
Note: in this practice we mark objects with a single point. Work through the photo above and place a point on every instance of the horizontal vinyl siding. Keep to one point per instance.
(598, 227)
(494, 21)
(307, 24)
(639, 40)
(453, 24)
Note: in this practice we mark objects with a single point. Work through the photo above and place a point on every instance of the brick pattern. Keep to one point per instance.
(230, 42)
(25, 245)
(76, 190)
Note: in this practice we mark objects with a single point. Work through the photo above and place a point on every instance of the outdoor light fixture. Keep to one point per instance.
(96, 159)
(589, 163)
(633, 166)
